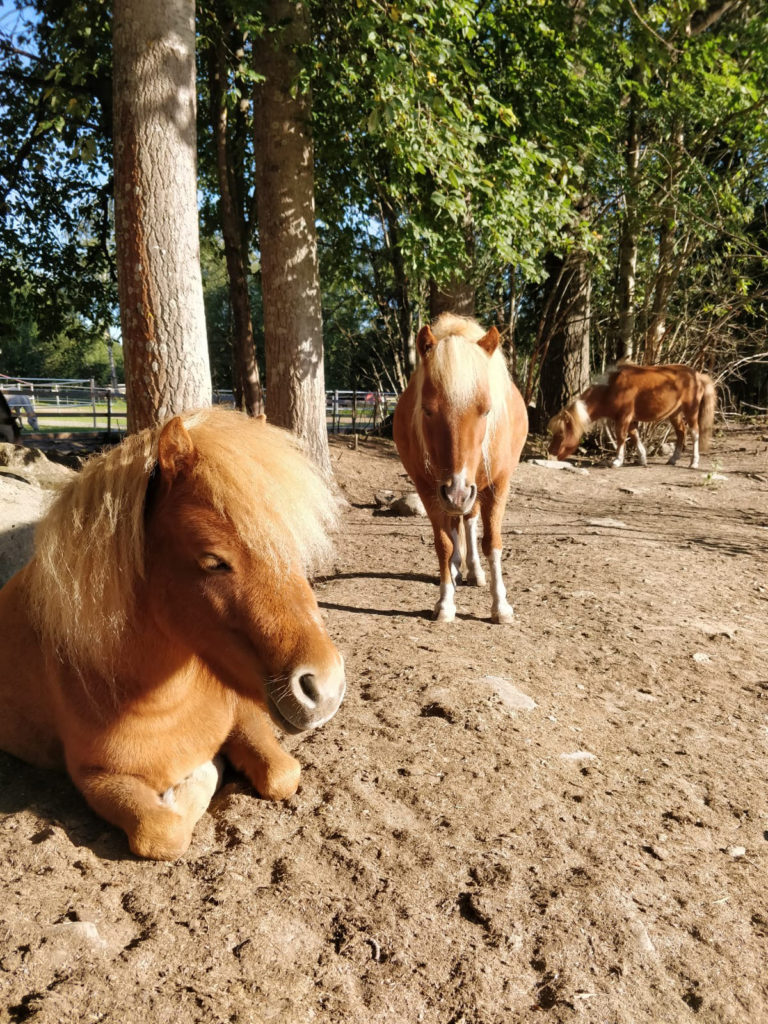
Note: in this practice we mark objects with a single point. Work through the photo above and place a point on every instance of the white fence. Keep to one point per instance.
(81, 404)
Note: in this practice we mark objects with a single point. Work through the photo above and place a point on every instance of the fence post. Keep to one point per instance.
(109, 414)
(354, 411)
(93, 401)
(335, 416)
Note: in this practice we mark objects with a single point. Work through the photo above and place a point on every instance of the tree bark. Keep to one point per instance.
(246, 369)
(455, 297)
(667, 271)
(565, 364)
(402, 294)
(625, 345)
(156, 227)
(293, 324)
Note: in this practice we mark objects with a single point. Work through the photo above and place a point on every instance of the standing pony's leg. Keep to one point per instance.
(692, 419)
(252, 747)
(678, 423)
(642, 455)
(622, 428)
(476, 573)
(492, 510)
(445, 609)
(158, 826)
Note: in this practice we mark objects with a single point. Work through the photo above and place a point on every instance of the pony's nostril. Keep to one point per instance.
(308, 686)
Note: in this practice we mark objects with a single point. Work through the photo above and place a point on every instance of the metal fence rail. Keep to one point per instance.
(48, 402)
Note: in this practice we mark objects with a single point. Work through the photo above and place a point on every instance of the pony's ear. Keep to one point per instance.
(425, 341)
(490, 341)
(175, 450)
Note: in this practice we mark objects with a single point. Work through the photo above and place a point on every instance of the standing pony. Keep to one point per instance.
(640, 394)
(459, 427)
(165, 617)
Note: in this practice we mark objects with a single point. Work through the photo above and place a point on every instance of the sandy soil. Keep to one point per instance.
(560, 820)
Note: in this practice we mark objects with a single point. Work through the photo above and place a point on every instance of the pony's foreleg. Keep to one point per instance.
(622, 429)
(456, 557)
(476, 573)
(252, 747)
(445, 609)
(158, 826)
(493, 512)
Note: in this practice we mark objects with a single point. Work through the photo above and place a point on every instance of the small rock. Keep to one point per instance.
(408, 505)
(702, 657)
(736, 851)
(553, 464)
(579, 755)
(615, 524)
(514, 699)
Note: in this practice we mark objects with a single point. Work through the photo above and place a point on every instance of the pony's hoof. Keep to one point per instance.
(477, 579)
(617, 464)
(503, 615)
(280, 783)
(444, 614)
(151, 845)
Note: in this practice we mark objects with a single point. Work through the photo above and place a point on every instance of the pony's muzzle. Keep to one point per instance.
(311, 697)
(457, 496)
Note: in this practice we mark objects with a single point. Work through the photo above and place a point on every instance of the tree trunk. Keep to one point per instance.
(565, 364)
(402, 293)
(455, 297)
(625, 345)
(158, 259)
(290, 282)
(667, 271)
(246, 370)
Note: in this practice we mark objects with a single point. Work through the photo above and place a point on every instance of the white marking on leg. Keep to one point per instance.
(455, 557)
(445, 609)
(619, 460)
(476, 571)
(641, 452)
(695, 456)
(501, 609)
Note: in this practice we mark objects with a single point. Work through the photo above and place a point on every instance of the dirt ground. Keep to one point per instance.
(560, 820)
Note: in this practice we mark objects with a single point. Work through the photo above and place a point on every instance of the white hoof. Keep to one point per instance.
(477, 579)
(444, 612)
(504, 614)
(617, 463)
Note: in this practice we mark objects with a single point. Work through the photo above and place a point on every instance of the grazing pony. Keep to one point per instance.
(165, 617)
(459, 427)
(640, 394)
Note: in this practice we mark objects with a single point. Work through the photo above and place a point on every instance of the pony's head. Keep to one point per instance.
(567, 428)
(205, 552)
(462, 384)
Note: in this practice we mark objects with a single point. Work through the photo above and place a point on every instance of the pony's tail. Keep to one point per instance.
(706, 410)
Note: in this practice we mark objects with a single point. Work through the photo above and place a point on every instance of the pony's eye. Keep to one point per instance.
(212, 563)
(427, 412)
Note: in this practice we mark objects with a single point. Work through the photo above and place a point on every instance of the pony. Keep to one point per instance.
(640, 394)
(459, 428)
(166, 617)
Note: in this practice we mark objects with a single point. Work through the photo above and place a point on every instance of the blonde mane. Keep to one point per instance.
(459, 367)
(90, 547)
(573, 416)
